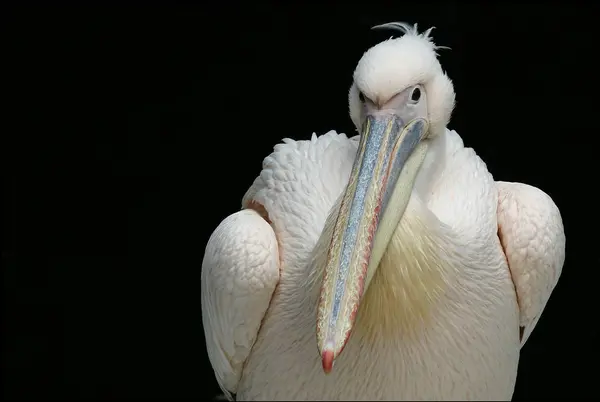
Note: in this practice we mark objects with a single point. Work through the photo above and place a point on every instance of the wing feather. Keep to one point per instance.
(239, 274)
(532, 235)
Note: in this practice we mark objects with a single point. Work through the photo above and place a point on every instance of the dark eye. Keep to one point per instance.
(361, 97)
(416, 95)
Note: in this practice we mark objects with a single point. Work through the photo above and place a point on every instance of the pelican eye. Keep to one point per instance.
(361, 97)
(415, 95)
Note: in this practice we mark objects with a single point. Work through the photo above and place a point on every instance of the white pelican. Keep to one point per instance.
(395, 254)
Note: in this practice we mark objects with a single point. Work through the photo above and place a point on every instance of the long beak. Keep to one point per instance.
(385, 146)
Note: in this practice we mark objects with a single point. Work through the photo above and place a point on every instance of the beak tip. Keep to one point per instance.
(327, 361)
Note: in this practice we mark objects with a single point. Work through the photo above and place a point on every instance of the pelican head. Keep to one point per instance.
(400, 100)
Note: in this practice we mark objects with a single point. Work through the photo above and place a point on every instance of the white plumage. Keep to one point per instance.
(439, 318)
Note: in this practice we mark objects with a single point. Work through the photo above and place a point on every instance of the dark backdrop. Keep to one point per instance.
(134, 131)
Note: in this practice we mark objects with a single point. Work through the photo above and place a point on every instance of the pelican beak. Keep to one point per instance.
(388, 157)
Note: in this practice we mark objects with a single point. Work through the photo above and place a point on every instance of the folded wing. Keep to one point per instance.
(239, 274)
(532, 235)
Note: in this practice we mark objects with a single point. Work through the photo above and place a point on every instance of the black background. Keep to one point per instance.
(133, 131)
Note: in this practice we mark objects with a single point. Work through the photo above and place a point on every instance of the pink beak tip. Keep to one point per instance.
(327, 361)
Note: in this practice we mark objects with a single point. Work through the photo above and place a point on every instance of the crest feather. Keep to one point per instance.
(408, 29)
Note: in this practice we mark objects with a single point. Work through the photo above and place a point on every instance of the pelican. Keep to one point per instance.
(393, 254)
